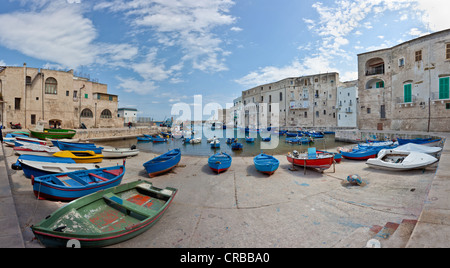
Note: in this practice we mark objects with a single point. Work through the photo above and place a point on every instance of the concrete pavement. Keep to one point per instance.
(243, 208)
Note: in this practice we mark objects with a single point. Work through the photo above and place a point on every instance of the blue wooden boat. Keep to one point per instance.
(231, 140)
(144, 139)
(72, 146)
(237, 146)
(337, 156)
(427, 142)
(266, 163)
(291, 134)
(266, 139)
(215, 143)
(72, 185)
(362, 153)
(163, 163)
(158, 140)
(220, 162)
(249, 140)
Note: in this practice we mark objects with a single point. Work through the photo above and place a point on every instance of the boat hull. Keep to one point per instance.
(135, 214)
(401, 161)
(266, 164)
(220, 163)
(117, 153)
(54, 134)
(319, 163)
(155, 167)
(75, 185)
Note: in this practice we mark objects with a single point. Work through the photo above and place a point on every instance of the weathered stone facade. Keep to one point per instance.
(405, 88)
(308, 101)
(30, 95)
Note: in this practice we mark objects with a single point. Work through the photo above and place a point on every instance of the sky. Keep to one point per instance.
(156, 53)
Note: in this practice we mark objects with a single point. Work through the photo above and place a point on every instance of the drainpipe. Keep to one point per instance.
(25, 94)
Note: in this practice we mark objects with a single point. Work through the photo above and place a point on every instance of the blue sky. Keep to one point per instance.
(155, 53)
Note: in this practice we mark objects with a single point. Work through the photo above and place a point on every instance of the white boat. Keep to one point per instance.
(119, 152)
(35, 149)
(196, 141)
(35, 167)
(401, 160)
(411, 147)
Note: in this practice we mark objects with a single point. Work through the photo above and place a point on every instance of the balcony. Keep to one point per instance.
(375, 66)
(299, 106)
(402, 103)
(436, 97)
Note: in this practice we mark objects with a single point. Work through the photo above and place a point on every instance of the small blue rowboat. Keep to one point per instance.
(144, 139)
(427, 142)
(249, 140)
(362, 153)
(266, 139)
(72, 146)
(73, 185)
(220, 162)
(156, 140)
(237, 146)
(289, 134)
(163, 163)
(266, 164)
(215, 143)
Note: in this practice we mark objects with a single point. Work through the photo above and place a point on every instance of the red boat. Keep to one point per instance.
(321, 161)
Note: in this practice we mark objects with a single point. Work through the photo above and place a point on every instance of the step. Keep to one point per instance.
(387, 231)
(401, 237)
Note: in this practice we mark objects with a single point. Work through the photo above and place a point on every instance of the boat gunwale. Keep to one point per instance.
(111, 235)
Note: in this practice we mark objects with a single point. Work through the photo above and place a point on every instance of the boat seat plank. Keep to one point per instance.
(98, 177)
(128, 205)
(115, 172)
(66, 181)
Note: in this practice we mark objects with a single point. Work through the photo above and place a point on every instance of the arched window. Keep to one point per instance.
(51, 86)
(106, 114)
(86, 113)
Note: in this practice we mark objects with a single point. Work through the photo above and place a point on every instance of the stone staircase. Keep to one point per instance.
(391, 235)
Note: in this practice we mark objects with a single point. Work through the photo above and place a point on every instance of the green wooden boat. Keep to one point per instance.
(50, 133)
(106, 217)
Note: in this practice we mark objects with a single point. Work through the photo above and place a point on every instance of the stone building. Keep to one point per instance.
(406, 87)
(308, 101)
(58, 98)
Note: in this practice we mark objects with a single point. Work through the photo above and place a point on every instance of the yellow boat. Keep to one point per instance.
(81, 156)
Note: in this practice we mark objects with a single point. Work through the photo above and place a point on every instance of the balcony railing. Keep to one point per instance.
(402, 101)
(375, 70)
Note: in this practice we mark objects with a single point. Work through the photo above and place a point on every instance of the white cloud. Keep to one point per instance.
(187, 24)
(56, 34)
(59, 33)
(236, 29)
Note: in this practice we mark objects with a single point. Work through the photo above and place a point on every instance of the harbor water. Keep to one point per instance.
(277, 145)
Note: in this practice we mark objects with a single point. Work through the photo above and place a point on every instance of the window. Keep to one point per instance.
(106, 114)
(447, 51)
(17, 103)
(447, 106)
(368, 110)
(51, 86)
(407, 93)
(317, 114)
(306, 114)
(383, 112)
(86, 113)
(380, 84)
(401, 62)
(444, 88)
(419, 55)
(67, 93)
(86, 96)
(281, 96)
(33, 119)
